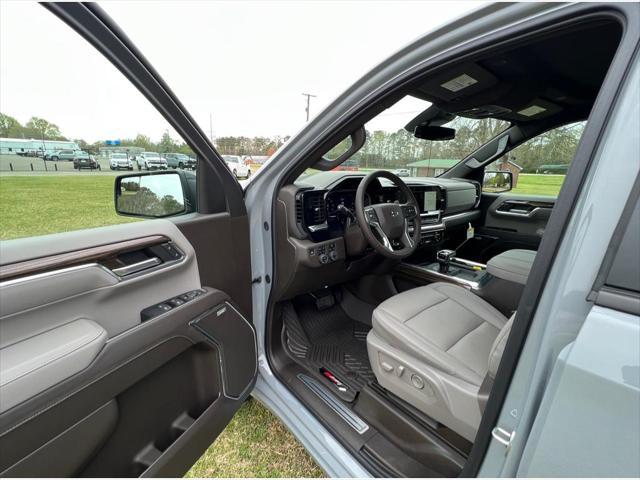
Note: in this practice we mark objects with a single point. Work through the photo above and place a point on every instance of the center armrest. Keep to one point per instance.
(512, 265)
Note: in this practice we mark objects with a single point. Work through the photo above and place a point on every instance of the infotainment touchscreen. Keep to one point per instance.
(429, 201)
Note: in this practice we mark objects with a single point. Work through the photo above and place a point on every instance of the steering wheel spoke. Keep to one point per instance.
(406, 240)
(409, 210)
(371, 216)
(383, 236)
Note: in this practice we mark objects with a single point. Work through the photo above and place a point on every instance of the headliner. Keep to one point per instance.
(555, 76)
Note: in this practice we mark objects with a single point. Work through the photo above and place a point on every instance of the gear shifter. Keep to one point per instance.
(444, 258)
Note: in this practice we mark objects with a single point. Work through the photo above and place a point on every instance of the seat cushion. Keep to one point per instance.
(443, 325)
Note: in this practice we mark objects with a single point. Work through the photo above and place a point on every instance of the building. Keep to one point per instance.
(25, 146)
(432, 167)
(504, 164)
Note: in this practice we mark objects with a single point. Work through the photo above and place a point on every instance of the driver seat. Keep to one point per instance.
(438, 348)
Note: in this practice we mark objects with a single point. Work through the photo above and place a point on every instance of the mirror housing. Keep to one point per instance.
(433, 132)
(357, 141)
(497, 181)
(152, 194)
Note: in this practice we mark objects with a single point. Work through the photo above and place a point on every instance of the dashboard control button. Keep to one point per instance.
(312, 252)
(324, 259)
(333, 255)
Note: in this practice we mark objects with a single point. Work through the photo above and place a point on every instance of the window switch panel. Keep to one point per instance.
(168, 305)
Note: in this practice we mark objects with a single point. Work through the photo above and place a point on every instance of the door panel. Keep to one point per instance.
(509, 221)
(83, 363)
(125, 350)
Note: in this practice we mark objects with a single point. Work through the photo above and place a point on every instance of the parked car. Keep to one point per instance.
(119, 161)
(83, 159)
(237, 166)
(179, 160)
(68, 155)
(403, 172)
(150, 161)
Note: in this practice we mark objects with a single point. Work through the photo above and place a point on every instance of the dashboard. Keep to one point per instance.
(323, 209)
(321, 243)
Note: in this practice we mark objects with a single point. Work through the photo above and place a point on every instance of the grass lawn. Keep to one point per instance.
(255, 444)
(37, 205)
(531, 184)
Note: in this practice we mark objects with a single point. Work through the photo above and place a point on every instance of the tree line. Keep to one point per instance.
(381, 150)
(398, 149)
(42, 129)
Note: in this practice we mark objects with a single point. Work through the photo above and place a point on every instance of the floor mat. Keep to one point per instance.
(328, 339)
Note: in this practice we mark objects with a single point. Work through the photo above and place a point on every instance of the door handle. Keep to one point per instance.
(137, 267)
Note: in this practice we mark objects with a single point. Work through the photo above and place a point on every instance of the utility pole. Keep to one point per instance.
(308, 95)
(211, 127)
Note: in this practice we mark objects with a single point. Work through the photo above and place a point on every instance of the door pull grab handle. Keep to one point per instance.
(137, 267)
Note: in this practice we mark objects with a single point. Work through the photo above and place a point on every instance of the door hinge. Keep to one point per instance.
(503, 436)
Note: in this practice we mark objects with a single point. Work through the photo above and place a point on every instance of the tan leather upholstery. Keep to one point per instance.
(448, 337)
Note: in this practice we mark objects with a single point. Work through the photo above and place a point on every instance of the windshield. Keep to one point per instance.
(118, 155)
(390, 147)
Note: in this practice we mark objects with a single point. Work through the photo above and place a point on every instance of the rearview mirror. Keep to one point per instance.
(150, 195)
(432, 132)
(497, 182)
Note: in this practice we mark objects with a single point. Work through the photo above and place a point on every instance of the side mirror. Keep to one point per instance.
(497, 181)
(151, 195)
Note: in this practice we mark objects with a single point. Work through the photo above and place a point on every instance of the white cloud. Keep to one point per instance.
(246, 63)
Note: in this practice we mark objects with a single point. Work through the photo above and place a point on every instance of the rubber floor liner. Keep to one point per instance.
(328, 339)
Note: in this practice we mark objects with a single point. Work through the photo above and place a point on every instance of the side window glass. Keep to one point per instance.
(539, 166)
(67, 133)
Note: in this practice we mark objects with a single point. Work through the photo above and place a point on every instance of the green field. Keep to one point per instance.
(37, 205)
(531, 184)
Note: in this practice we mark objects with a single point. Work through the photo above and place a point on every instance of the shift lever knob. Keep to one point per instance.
(444, 257)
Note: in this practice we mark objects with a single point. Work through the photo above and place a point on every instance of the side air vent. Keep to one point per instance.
(299, 213)
(478, 193)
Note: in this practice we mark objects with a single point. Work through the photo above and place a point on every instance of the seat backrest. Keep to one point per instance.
(495, 355)
(497, 349)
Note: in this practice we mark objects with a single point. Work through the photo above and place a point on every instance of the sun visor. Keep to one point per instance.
(459, 81)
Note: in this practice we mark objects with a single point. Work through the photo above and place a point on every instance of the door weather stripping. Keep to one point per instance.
(347, 415)
(503, 436)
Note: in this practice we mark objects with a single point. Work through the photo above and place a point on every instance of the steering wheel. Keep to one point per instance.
(386, 225)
